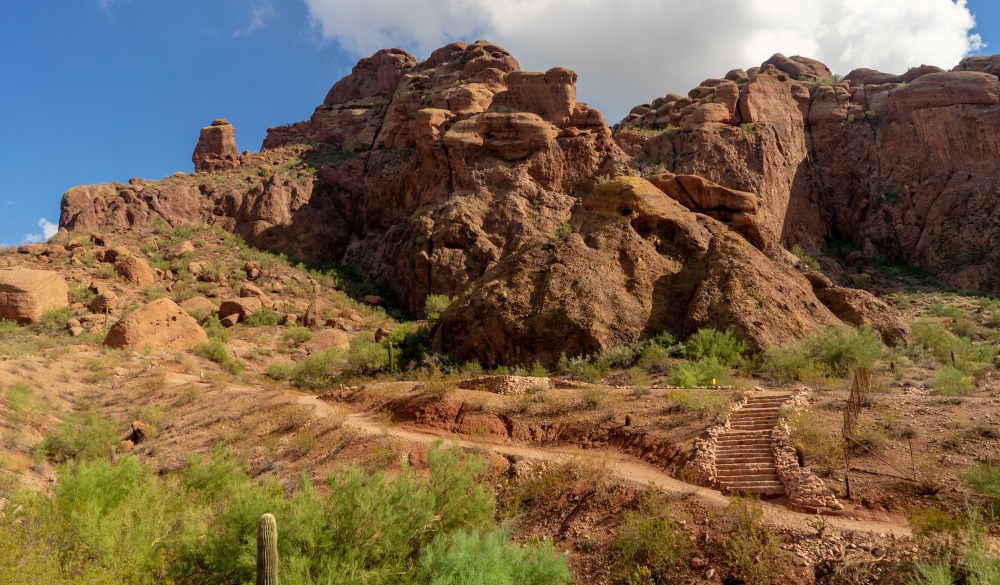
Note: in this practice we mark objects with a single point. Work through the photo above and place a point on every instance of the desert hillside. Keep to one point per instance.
(455, 328)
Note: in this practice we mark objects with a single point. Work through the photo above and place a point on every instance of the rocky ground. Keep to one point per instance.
(568, 459)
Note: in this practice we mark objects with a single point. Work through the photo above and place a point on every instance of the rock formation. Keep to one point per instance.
(216, 149)
(902, 165)
(26, 295)
(463, 175)
(160, 326)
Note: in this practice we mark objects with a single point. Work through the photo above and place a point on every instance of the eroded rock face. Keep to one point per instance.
(160, 326)
(216, 149)
(903, 165)
(637, 263)
(460, 173)
(26, 295)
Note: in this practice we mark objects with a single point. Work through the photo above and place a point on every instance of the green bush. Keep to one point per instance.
(122, 523)
(462, 557)
(949, 381)
(582, 369)
(704, 403)
(216, 351)
(985, 479)
(704, 372)
(721, 345)
(941, 343)
(263, 317)
(834, 352)
(751, 554)
(619, 356)
(296, 335)
(649, 537)
(82, 436)
(435, 305)
(655, 359)
(805, 258)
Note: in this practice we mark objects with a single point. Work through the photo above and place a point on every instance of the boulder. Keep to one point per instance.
(241, 308)
(216, 149)
(860, 307)
(107, 301)
(199, 303)
(135, 269)
(160, 325)
(25, 294)
(936, 90)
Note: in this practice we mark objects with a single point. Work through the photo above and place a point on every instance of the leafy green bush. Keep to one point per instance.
(704, 372)
(935, 338)
(704, 403)
(263, 317)
(619, 356)
(216, 351)
(363, 356)
(805, 258)
(122, 523)
(833, 352)
(296, 335)
(82, 436)
(582, 369)
(435, 305)
(751, 554)
(721, 345)
(949, 381)
(464, 557)
(649, 537)
(655, 359)
(985, 479)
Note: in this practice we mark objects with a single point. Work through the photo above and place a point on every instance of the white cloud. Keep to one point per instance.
(49, 229)
(259, 14)
(631, 51)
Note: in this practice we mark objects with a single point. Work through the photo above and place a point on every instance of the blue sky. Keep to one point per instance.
(103, 90)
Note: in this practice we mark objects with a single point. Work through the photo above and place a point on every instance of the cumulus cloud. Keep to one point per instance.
(49, 229)
(259, 15)
(631, 51)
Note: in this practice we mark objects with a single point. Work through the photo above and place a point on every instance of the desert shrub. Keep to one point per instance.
(470, 369)
(435, 305)
(106, 271)
(655, 359)
(949, 381)
(464, 557)
(263, 317)
(706, 371)
(122, 523)
(649, 537)
(805, 258)
(834, 352)
(963, 556)
(537, 370)
(941, 343)
(216, 351)
(822, 446)
(638, 379)
(52, 322)
(583, 369)
(214, 328)
(80, 294)
(930, 520)
(704, 403)
(751, 554)
(411, 342)
(83, 436)
(296, 335)
(985, 479)
(619, 356)
(721, 345)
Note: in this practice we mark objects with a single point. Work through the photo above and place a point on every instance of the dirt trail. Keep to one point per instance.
(619, 465)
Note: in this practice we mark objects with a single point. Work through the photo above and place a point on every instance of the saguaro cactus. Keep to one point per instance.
(267, 551)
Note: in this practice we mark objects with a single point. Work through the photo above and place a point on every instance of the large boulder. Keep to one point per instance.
(135, 270)
(216, 149)
(160, 326)
(25, 294)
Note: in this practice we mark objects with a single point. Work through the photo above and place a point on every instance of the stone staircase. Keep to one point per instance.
(744, 460)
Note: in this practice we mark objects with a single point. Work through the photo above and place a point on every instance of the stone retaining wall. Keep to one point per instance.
(802, 487)
(510, 385)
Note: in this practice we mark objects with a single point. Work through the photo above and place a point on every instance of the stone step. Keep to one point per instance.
(732, 442)
(744, 460)
(751, 426)
(733, 447)
(764, 489)
(759, 469)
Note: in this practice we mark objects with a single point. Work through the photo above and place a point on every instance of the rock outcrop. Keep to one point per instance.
(902, 165)
(463, 175)
(160, 326)
(216, 149)
(26, 295)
